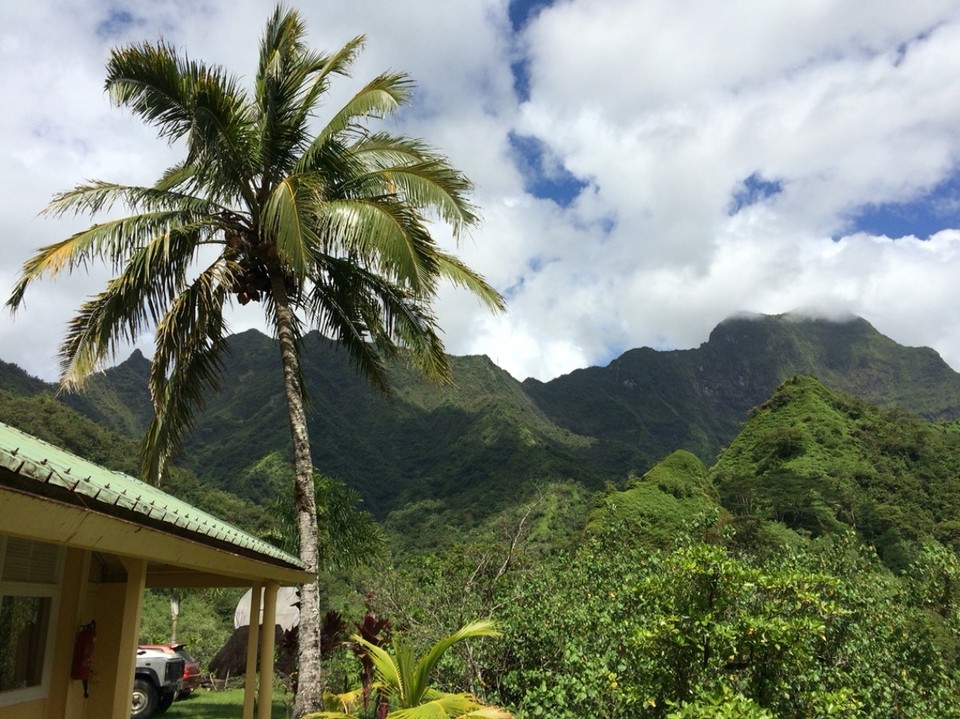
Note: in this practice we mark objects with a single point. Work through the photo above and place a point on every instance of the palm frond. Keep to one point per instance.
(345, 701)
(407, 693)
(131, 304)
(189, 179)
(290, 81)
(115, 241)
(187, 99)
(406, 680)
(339, 706)
(288, 216)
(414, 327)
(487, 712)
(282, 37)
(336, 64)
(371, 317)
(152, 81)
(97, 196)
(381, 149)
(433, 187)
(182, 177)
(284, 64)
(472, 630)
(187, 363)
(380, 97)
(92, 338)
(383, 233)
(388, 670)
(445, 706)
(222, 143)
(48, 260)
(397, 317)
(457, 272)
(420, 175)
(343, 304)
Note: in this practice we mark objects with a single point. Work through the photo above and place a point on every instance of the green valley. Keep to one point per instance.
(765, 526)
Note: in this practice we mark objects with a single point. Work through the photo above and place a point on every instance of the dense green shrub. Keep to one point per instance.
(613, 630)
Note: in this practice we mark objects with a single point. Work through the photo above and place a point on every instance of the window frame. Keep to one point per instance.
(40, 590)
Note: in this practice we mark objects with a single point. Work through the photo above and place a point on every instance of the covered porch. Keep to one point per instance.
(79, 543)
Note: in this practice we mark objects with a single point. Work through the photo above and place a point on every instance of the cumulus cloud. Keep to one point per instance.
(724, 154)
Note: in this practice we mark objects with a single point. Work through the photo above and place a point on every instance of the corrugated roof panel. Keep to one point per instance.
(40, 461)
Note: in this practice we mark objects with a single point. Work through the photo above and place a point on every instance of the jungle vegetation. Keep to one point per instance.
(811, 570)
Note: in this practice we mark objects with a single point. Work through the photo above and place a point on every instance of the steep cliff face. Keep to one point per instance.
(119, 398)
(698, 399)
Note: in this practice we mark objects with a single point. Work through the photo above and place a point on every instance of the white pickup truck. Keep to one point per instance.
(156, 683)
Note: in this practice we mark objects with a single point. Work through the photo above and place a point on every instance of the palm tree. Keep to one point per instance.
(348, 536)
(328, 229)
(406, 683)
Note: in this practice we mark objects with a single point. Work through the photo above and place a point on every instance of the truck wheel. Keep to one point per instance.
(145, 700)
(165, 701)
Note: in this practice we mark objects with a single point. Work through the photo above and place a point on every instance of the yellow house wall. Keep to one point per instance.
(63, 698)
(25, 710)
(116, 609)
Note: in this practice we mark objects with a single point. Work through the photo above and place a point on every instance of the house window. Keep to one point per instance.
(24, 626)
(29, 589)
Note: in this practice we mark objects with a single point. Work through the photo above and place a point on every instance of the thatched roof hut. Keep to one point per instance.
(231, 660)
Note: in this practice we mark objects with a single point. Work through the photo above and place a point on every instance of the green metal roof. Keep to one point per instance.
(49, 466)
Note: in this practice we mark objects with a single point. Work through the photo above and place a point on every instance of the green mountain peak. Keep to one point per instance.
(487, 440)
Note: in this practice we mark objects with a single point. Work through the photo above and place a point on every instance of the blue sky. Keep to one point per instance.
(931, 211)
(645, 168)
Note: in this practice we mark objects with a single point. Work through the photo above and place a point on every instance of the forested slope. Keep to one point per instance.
(820, 461)
(752, 589)
(488, 441)
(31, 407)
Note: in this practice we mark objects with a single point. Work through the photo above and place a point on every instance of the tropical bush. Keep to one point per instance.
(697, 632)
(397, 685)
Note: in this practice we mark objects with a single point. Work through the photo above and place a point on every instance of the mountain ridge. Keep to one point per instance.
(649, 389)
(487, 439)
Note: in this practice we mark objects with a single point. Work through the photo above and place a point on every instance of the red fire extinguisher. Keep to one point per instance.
(83, 654)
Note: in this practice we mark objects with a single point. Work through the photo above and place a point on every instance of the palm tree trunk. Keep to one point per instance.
(309, 696)
(174, 597)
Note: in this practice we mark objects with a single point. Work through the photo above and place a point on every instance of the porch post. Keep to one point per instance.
(66, 695)
(268, 642)
(253, 640)
(129, 634)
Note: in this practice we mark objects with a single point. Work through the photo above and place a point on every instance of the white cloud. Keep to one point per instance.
(662, 108)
